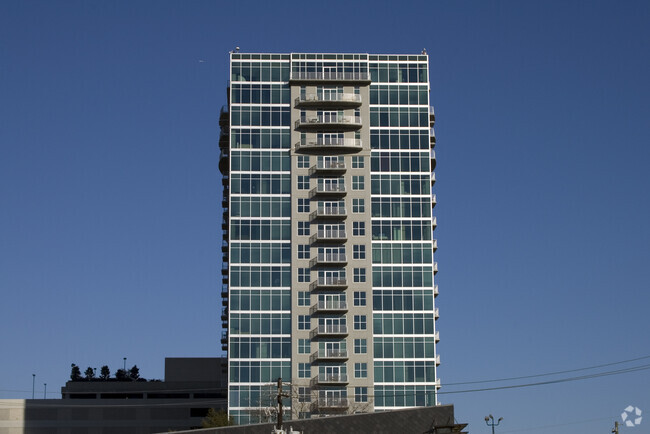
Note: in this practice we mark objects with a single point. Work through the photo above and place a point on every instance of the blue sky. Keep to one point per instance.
(109, 188)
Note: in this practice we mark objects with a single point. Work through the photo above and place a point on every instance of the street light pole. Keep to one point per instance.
(489, 421)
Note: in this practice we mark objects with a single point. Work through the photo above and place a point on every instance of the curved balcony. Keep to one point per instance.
(329, 331)
(329, 235)
(329, 379)
(329, 283)
(330, 145)
(328, 355)
(325, 307)
(337, 122)
(330, 76)
(329, 100)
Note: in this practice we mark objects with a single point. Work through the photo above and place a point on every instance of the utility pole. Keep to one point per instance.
(615, 430)
(281, 395)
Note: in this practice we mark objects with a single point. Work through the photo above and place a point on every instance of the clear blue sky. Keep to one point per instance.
(110, 193)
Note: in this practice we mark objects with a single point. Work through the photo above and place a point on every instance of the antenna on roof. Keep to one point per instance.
(424, 51)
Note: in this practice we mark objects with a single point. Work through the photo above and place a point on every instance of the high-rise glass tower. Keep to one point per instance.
(328, 268)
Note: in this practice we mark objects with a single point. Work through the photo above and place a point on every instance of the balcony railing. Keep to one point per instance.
(328, 306)
(329, 283)
(327, 355)
(328, 166)
(330, 189)
(339, 99)
(335, 144)
(329, 379)
(329, 259)
(329, 330)
(339, 121)
(330, 404)
(333, 211)
(324, 235)
(330, 76)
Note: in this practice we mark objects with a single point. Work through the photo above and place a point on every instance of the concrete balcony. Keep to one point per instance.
(432, 139)
(329, 212)
(436, 336)
(432, 116)
(329, 283)
(337, 122)
(329, 355)
(436, 313)
(325, 307)
(326, 331)
(329, 100)
(329, 259)
(435, 290)
(329, 380)
(435, 268)
(330, 76)
(328, 190)
(330, 235)
(435, 244)
(330, 145)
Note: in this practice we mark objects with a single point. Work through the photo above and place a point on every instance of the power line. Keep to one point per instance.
(548, 373)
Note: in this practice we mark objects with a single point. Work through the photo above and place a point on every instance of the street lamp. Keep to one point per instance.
(492, 424)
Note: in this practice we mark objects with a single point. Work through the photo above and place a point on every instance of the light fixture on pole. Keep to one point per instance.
(489, 420)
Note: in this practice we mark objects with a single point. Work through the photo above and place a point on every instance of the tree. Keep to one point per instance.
(89, 373)
(216, 418)
(134, 373)
(104, 373)
(121, 375)
(75, 373)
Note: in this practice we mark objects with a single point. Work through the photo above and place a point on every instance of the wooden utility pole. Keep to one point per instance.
(615, 430)
(281, 395)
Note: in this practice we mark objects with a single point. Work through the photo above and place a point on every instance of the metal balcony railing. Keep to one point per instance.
(329, 235)
(329, 283)
(343, 144)
(329, 211)
(329, 330)
(329, 258)
(329, 379)
(328, 354)
(323, 120)
(331, 76)
(331, 189)
(345, 98)
(328, 306)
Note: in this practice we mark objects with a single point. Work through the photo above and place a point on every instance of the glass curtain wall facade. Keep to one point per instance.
(328, 269)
